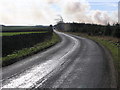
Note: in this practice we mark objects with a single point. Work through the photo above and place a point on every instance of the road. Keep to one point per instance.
(75, 62)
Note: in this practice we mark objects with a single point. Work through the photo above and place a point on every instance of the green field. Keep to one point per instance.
(19, 33)
(23, 28)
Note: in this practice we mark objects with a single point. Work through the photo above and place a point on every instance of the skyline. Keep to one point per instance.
(39, 12)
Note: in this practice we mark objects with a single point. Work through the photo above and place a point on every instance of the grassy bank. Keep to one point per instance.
(19, 40)
(18, 55)
(112, 44)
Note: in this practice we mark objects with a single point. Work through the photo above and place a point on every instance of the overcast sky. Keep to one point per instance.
(44, 12)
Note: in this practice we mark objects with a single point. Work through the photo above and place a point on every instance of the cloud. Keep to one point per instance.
(75, 11)
(26, 12)
(103, 17)
(81, 12)
(75, 7)
(32, 12)
(51, 1)
(100, 17)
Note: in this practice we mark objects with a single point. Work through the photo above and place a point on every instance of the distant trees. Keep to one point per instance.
(91, 29)
(116, 31)
(108, 31)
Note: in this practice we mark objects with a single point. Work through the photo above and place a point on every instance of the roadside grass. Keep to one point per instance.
(9, 59)
(19, 33)
(112, 44)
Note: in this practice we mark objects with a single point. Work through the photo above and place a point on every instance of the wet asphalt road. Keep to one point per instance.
(75, 62)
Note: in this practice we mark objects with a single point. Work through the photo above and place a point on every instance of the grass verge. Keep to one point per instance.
(111, 45)
(18, 55)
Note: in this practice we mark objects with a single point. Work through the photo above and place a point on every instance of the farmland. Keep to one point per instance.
(18, 33)
(24, 28)
(22, 41)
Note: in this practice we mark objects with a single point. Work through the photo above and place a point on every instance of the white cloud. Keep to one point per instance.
(23, 12)
(32, 12)
(51, 1)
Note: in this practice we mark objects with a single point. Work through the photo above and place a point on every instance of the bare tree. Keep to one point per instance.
(59, 19)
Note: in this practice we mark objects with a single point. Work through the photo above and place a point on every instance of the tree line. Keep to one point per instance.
(91, 29)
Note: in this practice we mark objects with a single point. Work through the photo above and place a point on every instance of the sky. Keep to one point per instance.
(46, 12)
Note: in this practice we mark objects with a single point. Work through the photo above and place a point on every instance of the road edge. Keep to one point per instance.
(113, 72)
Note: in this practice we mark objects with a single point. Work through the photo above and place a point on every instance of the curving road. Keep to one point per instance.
(75, 62)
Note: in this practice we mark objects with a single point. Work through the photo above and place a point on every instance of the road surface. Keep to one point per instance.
(75, 62)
